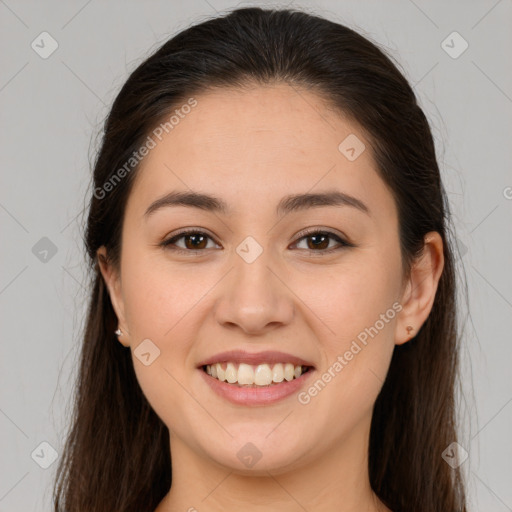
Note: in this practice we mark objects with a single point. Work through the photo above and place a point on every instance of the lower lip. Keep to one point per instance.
(264, 395)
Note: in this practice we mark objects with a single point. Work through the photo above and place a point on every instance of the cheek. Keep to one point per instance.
(157, 295)
(355, 359)
(351, 300)
(160, 305)
(360, 308)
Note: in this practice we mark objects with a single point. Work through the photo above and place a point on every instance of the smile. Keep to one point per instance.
(266, 374)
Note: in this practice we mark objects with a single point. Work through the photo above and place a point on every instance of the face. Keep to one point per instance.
(318, 281)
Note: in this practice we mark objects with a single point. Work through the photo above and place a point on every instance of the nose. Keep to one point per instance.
(254, 297)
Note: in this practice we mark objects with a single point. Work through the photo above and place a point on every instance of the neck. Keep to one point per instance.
(338, 480)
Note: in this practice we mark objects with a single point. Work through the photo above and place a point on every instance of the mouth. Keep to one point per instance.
(255, 379)
(262, 375)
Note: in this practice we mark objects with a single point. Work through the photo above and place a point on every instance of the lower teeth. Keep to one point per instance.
(254, 385)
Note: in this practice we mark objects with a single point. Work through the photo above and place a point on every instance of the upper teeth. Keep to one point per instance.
(261, 375)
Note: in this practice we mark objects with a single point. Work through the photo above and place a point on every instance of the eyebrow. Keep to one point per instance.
(287, 204)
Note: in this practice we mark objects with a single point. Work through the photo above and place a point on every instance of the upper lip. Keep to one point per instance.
(254, 358)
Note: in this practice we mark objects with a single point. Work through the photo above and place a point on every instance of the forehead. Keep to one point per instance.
(249, 145)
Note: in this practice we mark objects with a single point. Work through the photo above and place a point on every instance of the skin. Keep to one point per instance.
(251, 148)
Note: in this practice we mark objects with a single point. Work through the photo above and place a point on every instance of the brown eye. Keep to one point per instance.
(318, 241)
(193, 241)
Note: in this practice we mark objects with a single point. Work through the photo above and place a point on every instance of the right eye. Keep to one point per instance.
(194, 241)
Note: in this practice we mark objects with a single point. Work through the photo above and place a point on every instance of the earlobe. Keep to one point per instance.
(112, 281)
(420, 292)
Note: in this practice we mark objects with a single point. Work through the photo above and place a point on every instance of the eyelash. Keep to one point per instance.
(169, 243)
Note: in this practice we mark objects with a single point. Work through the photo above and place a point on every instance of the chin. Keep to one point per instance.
(255, 455)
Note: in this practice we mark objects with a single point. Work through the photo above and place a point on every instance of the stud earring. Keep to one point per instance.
(119, 332)
(409, 329)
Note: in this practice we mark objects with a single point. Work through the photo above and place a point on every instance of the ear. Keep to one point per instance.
(113, 282)
(420, 291)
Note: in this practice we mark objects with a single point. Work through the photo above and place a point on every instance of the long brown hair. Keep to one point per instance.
(116, 457)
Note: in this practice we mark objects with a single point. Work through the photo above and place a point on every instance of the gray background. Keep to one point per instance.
(51, 110)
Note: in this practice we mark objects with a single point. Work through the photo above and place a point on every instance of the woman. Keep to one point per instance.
(272, 305)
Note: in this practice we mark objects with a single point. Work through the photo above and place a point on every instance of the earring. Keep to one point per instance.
(409, 329)
(119, 332)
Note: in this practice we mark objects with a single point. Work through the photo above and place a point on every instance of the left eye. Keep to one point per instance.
(321, 240)
(196, 241)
